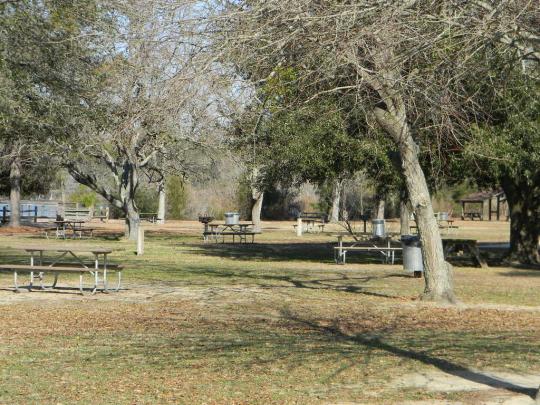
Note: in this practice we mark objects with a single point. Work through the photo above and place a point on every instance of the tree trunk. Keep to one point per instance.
(336, 199)
(256, 208)
(257, 197)
(162, 197)
(15, 191)
(379, 208)
(133, 220)
(404, 217)
(128, 188)
(524, 205)
(437, 272)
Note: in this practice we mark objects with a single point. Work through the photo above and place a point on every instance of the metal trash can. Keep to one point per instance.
(377, 226)
(232, 218)
(412, 254)
(443, 216)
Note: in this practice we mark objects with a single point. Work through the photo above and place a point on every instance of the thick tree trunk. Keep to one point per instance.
(256, 208)
(404, 215)
(437, 272)
(380, 205)
(336, 200)
(15, 174)
(524, 206)
(128, 188)
(162, 202)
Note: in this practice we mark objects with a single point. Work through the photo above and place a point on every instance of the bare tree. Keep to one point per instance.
(156, 96)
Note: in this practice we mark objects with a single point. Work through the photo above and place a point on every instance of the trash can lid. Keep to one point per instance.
(411, 240)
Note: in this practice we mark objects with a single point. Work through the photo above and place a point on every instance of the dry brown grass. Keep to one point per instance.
(276, 322)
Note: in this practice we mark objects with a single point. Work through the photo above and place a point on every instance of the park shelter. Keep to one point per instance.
(484, 204)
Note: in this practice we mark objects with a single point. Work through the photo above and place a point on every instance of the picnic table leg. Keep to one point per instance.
(105, 273)
(119, 275)
(81, 283)
(339, 254)
(15, 283)
(96, 282)
(31, 273)
(476, 254)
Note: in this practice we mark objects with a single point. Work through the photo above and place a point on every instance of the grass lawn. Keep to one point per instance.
(274, 322)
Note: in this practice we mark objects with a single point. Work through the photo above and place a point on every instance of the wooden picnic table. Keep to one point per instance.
(310, 225)
(218, 231)
(54, 264)
(75, 226)
(445, 225)
(151, 217)
(469, 246)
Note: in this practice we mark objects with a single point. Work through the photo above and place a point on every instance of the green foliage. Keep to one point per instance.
(244, 199)
(278, 200)
(83, 195)
(46, 75)
(177, 197)
(320, 142)
(325, 196)
(281, 85)
(509, 145)
(146, 199)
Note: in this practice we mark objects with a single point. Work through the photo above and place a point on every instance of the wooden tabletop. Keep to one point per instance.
(224, 224)
(62, 249)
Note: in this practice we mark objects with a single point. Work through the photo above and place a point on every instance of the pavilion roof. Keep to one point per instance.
(482, 196)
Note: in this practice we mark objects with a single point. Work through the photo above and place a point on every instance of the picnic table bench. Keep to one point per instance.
(74, 214)
(56, 267)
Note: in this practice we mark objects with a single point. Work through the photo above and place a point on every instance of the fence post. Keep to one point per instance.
(35, 214)
(4, 214)
(299, 229)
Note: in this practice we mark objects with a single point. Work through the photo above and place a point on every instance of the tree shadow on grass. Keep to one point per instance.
(334, 333)
(313, 252)
(522, 273)
(337, 281)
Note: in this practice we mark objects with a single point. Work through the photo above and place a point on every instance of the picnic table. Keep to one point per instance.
(467, 246)
(312, 221)
(76, 227)
(445, 222)
(55, 265)
(367, 243)
(151, 217)
(218, 232)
